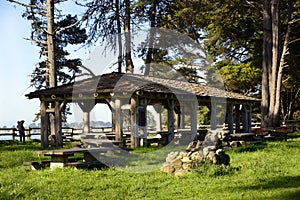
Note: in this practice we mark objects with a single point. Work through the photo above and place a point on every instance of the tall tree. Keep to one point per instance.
(274, 58)
(52, 33)
(108, 21)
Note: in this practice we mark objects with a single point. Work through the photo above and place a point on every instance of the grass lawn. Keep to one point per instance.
(267, 171)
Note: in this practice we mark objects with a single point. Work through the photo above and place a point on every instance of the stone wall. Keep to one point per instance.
(198, 152)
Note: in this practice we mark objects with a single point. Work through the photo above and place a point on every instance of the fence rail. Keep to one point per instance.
(68, 132)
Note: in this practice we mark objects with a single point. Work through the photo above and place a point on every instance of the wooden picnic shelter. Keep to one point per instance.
(135, 92)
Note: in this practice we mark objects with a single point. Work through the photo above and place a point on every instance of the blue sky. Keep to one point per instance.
(17, 60)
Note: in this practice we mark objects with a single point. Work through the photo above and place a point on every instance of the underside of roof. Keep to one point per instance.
(107, 85)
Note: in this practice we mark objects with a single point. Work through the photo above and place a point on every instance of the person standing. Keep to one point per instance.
(21, 130)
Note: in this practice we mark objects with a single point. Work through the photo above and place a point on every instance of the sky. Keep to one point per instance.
(18, 58)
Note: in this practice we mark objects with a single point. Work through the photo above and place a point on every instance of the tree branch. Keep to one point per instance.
(87, 69)
(296, 40)
(36, 41)
(27, 5)
(58, 30)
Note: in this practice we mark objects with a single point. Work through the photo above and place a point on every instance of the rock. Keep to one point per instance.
(212, 157)
(186, 159)
(177, 163)
(196, 157)
(208, 149)
(198, 152)
(169, 169)
(180, 172)
(198, 145)
(186, 166)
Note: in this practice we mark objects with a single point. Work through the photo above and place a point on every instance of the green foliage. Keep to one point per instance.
(243, 78)
(203, 115)
(66, 69)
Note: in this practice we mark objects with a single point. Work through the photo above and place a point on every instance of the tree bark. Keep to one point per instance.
(128, 59)
(273, 64)
(275, 71)
(50, 44)
(151, 37)
(120, 60)
(267, 42)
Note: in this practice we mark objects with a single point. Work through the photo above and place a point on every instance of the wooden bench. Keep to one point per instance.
(87, 164)
(36, 165)
(242, 136)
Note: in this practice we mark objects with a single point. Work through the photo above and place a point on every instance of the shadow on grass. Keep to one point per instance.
(16, 145)
(250, 148)
(291, 195)
(294, 135)
(282, 182)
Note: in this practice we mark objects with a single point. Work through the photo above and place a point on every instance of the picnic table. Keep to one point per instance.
(242, 136)
(65, 157)
(281, 131)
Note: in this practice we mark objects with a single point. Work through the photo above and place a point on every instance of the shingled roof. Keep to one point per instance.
(119, 82)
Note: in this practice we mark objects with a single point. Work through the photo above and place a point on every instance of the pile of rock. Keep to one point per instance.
(198, 152)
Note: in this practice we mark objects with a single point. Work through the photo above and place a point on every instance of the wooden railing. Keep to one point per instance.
(68, 132)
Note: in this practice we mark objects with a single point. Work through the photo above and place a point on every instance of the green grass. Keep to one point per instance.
(267, 171)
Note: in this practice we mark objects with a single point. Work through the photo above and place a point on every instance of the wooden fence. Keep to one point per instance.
(68, 132)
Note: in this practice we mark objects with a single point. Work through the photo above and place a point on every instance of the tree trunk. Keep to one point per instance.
(120, 60)
(128, 59)
(272, 64)
(151, 37)
(267, 56)
(274, 87)
(50, 44)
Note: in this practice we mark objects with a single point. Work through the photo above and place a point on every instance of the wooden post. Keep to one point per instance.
(13, 134)
(118, 120)
(28, 133)
(213, 116)
(171, 119)
(133, 121)
(247, 115)
(194, 112)
(230, 118)
(182, 118)
(58, 125)
(237, 118)
(250, 118)
(44, 125)
(142, 120)
(86, 107)
(158, 108)
(111, 106)
(86, 122)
